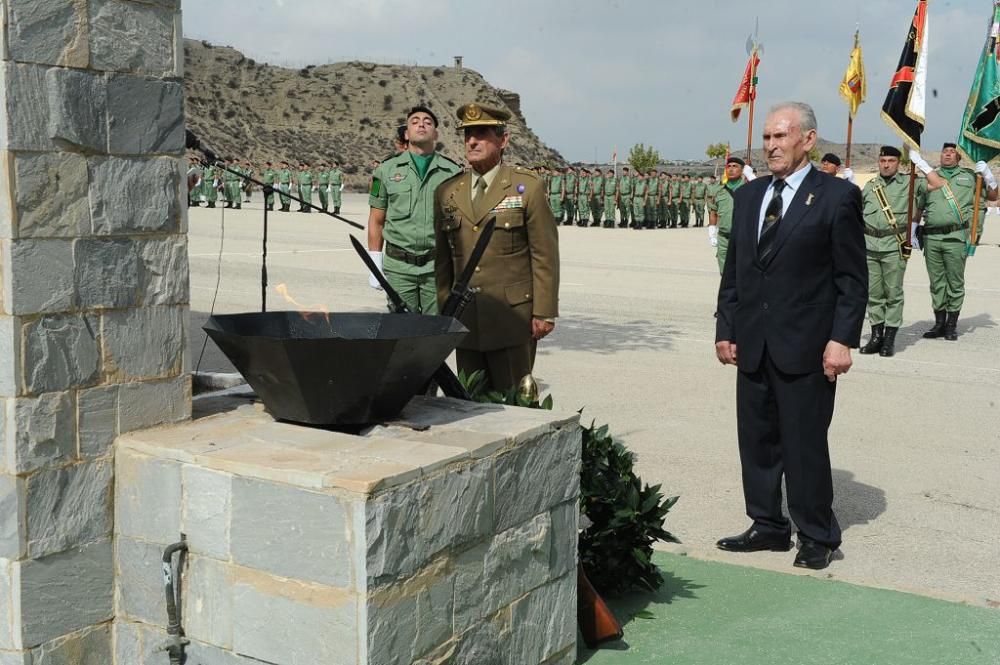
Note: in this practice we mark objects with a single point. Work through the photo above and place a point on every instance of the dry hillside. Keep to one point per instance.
(346, 111)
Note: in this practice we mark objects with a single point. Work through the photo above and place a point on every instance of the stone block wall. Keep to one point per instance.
(452, 545)
(93, 298)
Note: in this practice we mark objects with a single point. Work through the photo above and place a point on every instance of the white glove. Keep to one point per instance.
(849, 174)
(713, 236)
(919, 162)
(341, 187)
(372, 280)
(914, 240)
(748, 173)
(984, 170)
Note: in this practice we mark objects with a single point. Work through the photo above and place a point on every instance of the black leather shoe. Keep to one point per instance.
(813, 556)
(753, 540)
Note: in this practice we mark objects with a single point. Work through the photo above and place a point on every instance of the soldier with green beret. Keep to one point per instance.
(284, 178)
(557, 193)
(945, 233)
(652, 199)
(885, 201)
(401, 220)
(610, 198)
(210, 185)
(684, 202)
(663, 201)
(699, 196)
(231, 180)
(625, 184)
(323, 185)
(720, 209)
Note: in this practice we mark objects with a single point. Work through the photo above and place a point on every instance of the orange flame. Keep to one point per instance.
(306, 311)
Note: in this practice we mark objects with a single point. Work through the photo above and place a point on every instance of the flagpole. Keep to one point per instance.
(850, 131)
(753, 98)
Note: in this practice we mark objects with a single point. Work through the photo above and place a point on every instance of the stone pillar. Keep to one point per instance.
(93, 298)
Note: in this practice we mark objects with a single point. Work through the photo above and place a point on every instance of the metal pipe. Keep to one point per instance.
(176, 642)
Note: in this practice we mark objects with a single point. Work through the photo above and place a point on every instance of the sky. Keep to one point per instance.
(599, 75)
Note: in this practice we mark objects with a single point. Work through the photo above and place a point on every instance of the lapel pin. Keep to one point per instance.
(809, 200)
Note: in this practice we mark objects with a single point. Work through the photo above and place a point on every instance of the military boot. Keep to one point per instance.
(888, 349)
(874, 344)
(336, 210)
(950, 327)
(938, 329)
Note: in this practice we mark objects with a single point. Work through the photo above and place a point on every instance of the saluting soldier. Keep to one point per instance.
(596, 197)
(557, 192)
(516, 284)
(304, 179)
(720, 209)
(268, 177)
(336, 187)
(885, 201)
(625, 184)
(699, 197)
(610, 198)
(401, 219)
(945, 233)
(569, 203)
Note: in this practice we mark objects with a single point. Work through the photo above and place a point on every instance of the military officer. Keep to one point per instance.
(596, 197)
(267, 176)
(569, 202)
(304, 179)
(675, 197)
(517, 282)
(720, 209)
(336, 187)
(401, 220)
(557, 192)
(625, 183)
(885, 201)
(610, 198)
(945, 235)
(699, 196)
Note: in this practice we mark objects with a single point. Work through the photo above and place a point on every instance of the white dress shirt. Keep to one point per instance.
(792, 184)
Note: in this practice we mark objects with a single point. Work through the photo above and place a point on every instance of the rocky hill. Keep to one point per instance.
(347, 111)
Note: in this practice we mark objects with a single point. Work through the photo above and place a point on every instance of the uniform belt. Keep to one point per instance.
(400, 254)
(879, 233)
(941, 230)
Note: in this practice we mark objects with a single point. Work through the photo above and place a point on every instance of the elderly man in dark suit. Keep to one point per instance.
(791, 306)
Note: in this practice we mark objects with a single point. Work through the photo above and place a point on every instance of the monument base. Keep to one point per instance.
(448, 537)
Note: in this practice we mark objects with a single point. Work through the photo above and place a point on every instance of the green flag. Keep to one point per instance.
(979, 139)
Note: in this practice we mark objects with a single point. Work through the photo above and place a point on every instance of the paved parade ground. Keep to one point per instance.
(915, 438)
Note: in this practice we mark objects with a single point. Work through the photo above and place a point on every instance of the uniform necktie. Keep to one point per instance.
(772, 217)
(480, 189)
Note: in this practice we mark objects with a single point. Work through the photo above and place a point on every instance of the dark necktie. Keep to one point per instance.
(772, 217)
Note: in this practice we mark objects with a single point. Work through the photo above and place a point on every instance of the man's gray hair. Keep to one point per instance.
(807, 117)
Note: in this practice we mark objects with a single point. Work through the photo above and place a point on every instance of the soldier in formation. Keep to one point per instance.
(610, 198)
(624, 197)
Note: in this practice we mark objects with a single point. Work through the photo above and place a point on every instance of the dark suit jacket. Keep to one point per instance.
(813, 289)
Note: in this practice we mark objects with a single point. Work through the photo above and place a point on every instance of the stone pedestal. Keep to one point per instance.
(93, 298)
(452, 539)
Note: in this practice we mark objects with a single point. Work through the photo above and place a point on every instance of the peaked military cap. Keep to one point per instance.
(479, 115)
(889, 151)
(831, 158)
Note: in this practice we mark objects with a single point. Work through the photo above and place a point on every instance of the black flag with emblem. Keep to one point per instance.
(903, 109)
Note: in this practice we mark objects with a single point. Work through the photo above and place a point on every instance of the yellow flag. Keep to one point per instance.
(854, 88)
